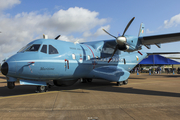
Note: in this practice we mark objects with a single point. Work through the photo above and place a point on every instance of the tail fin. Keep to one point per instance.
(141, 30)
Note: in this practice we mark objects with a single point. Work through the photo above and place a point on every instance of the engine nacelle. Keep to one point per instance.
(62, 83)
(128, 43)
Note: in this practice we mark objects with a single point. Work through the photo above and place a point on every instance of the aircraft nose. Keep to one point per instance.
(4, 68)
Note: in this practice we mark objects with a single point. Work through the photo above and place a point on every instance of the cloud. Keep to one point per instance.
(6, 4)
(173, 22)
(22, 28)
(99, 32)
(75, 20)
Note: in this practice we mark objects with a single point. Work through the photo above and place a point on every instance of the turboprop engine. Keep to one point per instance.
(125, 43)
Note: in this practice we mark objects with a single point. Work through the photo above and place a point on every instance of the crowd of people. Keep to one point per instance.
(157, 70)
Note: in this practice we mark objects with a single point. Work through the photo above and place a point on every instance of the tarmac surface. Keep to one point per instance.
(145, 97)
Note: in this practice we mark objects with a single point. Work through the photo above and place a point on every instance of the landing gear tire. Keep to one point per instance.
(119, 83)
(10, 85)
(125, 82)
(41, 88)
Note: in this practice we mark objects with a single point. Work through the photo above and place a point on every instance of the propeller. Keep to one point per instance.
(120, 40)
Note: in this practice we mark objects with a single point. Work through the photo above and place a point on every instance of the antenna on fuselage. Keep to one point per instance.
(45, 36)
(57, 37)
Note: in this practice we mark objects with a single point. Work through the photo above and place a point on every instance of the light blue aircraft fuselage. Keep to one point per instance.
(69, 63)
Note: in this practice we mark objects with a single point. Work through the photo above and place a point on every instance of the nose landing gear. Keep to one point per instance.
(10, 85)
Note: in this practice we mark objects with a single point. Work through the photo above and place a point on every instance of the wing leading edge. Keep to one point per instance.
(157, 39)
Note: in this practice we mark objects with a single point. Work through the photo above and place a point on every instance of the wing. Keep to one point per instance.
(157, 39)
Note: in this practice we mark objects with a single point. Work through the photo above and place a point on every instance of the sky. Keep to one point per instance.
(22, 21)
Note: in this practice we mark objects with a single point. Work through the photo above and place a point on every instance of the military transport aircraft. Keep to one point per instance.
(44, 60)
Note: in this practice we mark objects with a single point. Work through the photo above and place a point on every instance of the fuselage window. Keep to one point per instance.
(44, 49)
(52, 50)
(73, 56)
(34, 47)
(116, 59)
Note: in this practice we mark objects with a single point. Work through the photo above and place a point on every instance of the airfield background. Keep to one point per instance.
(154, 62)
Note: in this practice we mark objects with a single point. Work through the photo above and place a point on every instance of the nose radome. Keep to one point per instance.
(4, 68)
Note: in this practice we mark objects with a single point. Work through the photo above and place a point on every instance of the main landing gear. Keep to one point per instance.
(43, 88)
(122, 83)
(86, 80)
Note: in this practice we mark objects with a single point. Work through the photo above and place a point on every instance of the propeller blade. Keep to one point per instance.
(113, 53)
(128, 26)
(57, 37)
(109, 34)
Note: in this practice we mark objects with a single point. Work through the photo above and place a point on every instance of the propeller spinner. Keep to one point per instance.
(120, 40)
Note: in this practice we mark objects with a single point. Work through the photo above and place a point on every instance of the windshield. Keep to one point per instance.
(24, 48)
(34, 47)
(30, 47)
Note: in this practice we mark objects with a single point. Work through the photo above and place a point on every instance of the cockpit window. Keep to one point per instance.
(34, 47)
(52, 50)
(44, 49)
